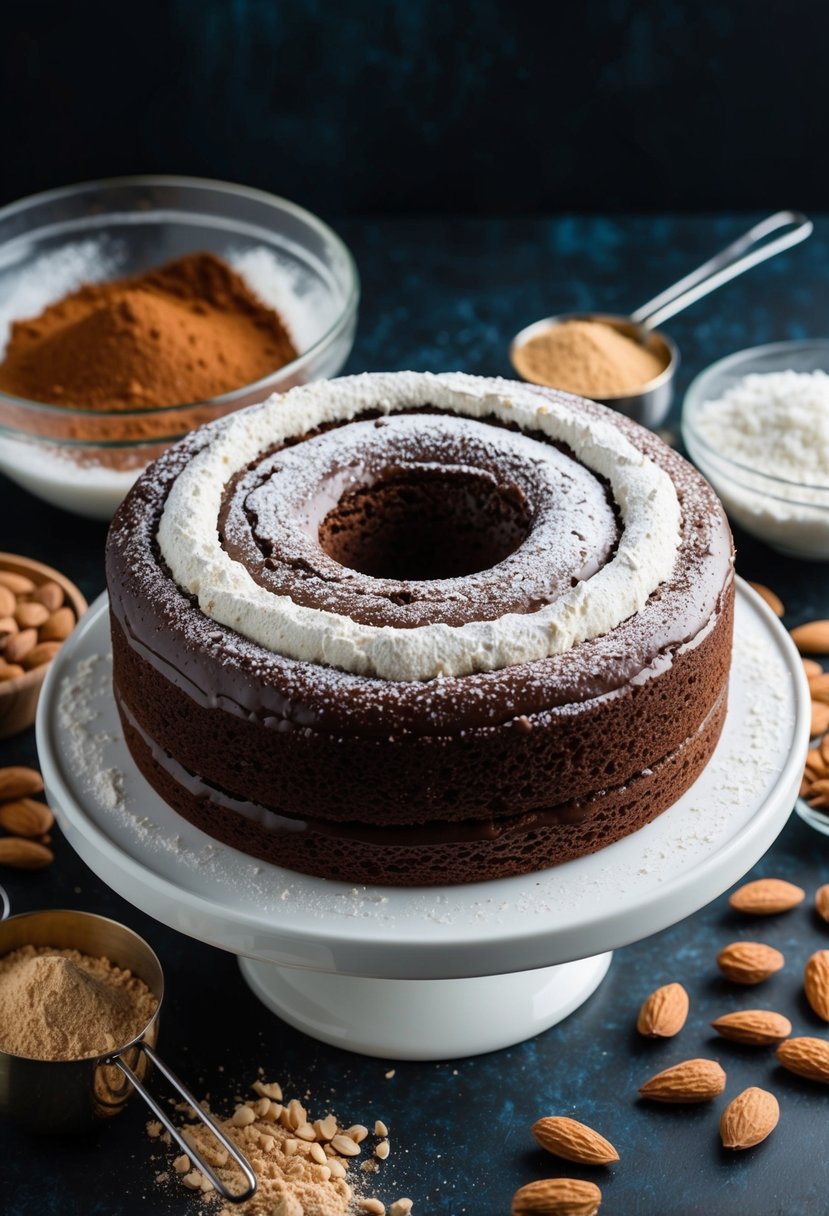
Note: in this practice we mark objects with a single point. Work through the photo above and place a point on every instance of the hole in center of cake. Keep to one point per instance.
(420, 523)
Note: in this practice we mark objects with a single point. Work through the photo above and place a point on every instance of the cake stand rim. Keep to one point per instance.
(347, 948)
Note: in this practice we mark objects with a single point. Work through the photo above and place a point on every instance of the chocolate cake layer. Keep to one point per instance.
(479, 775)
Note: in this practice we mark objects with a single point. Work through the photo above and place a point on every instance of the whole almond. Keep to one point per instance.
(766, 897)
(807, 1057)
(18, 781)
(749, 962)
(816, 761)
(7, 625)
(50, 594)
(774, 601)
(818, 793)
(557, 1197)
(816, 983)
(573, 1141)
(10, 671)
(18, 645)
(822, 902)
(44, 652)
(755, 1027)
(819, 687)
(749, 1118)
(690, 1081)
(811, 668)
(21, 854)
(664, 1013)
(820, 719)
(813, 637)
(58, 626)
(31, 616)
(18, 584)
(26, 817)
(8, 602)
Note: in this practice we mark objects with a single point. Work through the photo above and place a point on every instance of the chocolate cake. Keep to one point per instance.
(414, 629)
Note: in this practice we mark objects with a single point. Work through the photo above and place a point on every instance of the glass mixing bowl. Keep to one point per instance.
(791, 516)
(52, 243)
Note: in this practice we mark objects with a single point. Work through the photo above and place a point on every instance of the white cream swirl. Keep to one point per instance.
(645, 496)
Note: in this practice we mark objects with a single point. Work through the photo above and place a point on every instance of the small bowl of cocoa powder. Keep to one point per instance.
(133, 311)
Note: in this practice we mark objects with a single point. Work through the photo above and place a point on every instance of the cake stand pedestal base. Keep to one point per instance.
(425, 1019)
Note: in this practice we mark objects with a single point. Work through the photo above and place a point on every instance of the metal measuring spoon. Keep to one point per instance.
(650, 404)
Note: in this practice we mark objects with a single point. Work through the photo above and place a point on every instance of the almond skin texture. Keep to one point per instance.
(820, 719)
(811, 668)
(690, 1081)
(822, 901)
(18, 584)
(19, 644)
(664, 1012)
(816, 983)
(17, 781)
(749, 1118)
(807, 1057)
(813, 637)
(44, 652)
(58, 626)
(20, 854)
(50, 594)
(25, 817)
(749, 962)
(774, 601)
(557, 1197)
(755, 1027)
(766, 897)
(573, 1141)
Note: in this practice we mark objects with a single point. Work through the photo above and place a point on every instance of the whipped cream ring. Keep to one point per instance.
(644, 494)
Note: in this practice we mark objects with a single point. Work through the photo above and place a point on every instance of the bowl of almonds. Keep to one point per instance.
(39, 608)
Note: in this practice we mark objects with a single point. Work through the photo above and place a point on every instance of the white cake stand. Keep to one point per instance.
(429, 973)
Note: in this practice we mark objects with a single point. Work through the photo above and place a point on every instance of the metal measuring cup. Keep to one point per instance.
(69, 1095)
(650, 404)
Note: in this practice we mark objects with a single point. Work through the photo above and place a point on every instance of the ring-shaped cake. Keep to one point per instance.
(409, 629)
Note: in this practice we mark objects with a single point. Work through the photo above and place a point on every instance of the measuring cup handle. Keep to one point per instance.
(206, 1119)
(748, 250)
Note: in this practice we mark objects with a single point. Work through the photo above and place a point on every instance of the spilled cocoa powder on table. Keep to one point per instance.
(184, 332)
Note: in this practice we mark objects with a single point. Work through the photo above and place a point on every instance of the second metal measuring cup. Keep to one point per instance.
(650, 404)
(69, 1095)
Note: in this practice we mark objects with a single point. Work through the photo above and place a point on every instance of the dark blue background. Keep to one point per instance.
(373, 106)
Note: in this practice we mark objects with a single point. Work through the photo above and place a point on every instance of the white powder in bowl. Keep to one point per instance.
(766, 451)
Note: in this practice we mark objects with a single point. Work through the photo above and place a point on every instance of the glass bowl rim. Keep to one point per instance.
(694, 393)
(221, 187)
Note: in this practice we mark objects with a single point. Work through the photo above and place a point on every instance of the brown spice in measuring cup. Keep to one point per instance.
(64, 1005)
(587, 358)
(185, 332)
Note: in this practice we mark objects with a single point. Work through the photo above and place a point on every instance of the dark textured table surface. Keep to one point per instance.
(447, 295)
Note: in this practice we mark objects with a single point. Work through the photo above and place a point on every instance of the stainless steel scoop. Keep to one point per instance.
(651, 403)
(69, 1095)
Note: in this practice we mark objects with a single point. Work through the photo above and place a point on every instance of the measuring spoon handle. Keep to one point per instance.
(748, 250)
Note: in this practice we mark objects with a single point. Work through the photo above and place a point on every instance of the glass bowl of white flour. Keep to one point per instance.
(757, 425)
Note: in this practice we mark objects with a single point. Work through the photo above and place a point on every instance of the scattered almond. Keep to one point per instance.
(756, 1027)
(813, 637)
(44, 652)
(664, 1013)
(806, 1056)
(573, 1141)
(20, 854)
(690, 1081)
(811, 668)
(766, 896)
(749, 962)
(822, 902)
(749, 1118)
(557, 1197)
(774, 601)
(25, 817)
(58, 626)
(18, 584)
(50, 594)
(18, 645)
(816, 983)
(18, 781)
